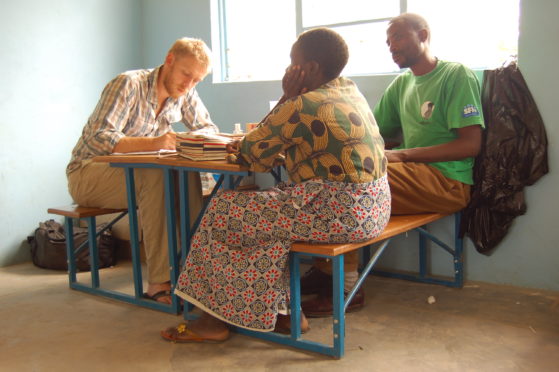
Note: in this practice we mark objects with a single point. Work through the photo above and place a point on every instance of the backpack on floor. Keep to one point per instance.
(48, 247)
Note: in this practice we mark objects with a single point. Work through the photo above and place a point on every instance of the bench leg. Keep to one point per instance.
(457, 280)
(95, 287)
(93, 251)
(70, 256)
(338, 305)
(91, 243)
(295, 338)
(295, 289)
(458, 253)
(422, 255)
(371, 262)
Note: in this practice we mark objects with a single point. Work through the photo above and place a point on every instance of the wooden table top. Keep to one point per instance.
(171, 160)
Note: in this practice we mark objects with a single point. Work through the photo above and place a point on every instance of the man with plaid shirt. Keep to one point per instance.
(135, 113)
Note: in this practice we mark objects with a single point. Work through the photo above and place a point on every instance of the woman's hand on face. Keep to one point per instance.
(293, 82)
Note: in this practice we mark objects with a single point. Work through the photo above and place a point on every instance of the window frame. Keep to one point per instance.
(299, 20)
(219, 34)
(219, 37)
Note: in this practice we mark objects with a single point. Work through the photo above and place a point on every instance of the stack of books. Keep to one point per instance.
(203, 146)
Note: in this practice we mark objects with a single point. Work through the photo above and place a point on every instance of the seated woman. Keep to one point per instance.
(237, 271)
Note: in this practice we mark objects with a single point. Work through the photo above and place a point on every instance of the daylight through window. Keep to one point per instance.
(253, 38)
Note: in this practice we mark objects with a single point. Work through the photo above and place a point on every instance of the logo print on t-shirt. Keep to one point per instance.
(470, 110)
(427, 109)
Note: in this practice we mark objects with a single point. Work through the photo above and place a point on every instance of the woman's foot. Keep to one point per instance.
(204, 329)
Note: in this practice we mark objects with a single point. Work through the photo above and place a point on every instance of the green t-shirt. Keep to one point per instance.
(428, 108)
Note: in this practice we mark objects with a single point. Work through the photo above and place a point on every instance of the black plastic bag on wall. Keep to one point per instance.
(513, 155)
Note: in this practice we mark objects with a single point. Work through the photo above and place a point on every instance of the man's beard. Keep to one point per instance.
(172, 89)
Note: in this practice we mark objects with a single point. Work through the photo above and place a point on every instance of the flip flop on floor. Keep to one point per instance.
(157, 295)
(182, 334)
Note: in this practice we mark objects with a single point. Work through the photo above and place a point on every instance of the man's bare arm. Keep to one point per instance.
(132, 144)
(466, 145)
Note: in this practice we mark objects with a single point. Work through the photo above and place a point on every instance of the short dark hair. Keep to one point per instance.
(413, 20)
(326, 47)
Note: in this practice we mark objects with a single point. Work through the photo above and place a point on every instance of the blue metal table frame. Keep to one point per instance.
(230, 176)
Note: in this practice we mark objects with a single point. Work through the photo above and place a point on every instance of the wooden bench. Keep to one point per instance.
(396, 226)
(72, 214)
(76, 211)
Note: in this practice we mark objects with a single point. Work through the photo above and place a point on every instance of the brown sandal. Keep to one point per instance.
(156, 296)
(182, 334)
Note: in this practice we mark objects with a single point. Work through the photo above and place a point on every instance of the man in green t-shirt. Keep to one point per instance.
(434, 110)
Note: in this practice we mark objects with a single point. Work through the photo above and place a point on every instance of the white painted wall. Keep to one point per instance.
(55, 58)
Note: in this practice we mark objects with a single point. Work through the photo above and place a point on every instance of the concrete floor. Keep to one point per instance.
(47, 327)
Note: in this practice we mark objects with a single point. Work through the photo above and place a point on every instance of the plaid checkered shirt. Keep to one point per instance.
(127, 107)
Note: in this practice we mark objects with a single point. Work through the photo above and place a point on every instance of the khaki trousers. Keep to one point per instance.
(100, 185)
(415, 188)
